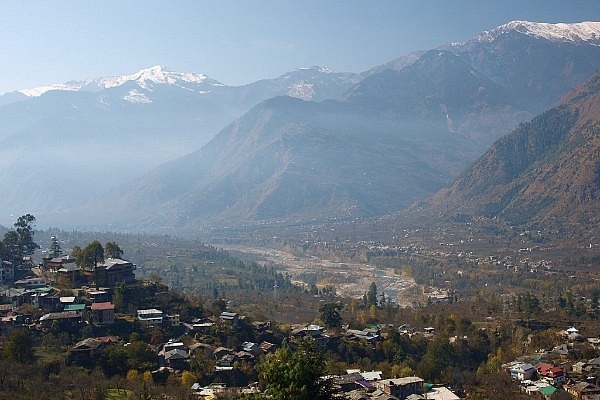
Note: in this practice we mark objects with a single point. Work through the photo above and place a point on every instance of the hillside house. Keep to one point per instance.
(176, 359)
(84, 352)
(552, 374)
(71, 273)
(150, 317)
(63, 318)
(522, 371)
(585, 391)
(229, 317)
(267, 347)
(7, 272)
(103, 313)
(401, 387)
(115, 270)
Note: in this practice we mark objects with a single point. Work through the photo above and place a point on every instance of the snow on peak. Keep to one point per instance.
(155, 74)
(144, 78)
(302, 90)
(561, 32)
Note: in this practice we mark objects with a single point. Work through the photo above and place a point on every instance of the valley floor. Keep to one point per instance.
(349, 279)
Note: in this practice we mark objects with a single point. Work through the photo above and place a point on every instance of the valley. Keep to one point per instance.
(348, 279)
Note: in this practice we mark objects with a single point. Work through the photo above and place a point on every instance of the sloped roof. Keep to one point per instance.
(60, 315)
(107, 305)
(176, 354)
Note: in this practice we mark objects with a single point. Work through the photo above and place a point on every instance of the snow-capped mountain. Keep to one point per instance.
(587, 31)
(144, 79)
(122, 126)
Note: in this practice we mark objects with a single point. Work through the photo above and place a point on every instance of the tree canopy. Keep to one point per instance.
(19, 242)
(296, 373)
(330, 314)
(112, 250)
(89, 257)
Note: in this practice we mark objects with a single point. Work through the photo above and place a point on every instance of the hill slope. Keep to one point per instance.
(546, 170)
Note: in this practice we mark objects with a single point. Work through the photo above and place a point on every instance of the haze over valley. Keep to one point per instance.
(159, 150)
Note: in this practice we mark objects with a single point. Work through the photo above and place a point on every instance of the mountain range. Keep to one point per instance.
(343, 146)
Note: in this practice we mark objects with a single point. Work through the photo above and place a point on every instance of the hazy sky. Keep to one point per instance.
(238, 42)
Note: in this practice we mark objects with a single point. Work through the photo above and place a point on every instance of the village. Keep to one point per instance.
(222, 347)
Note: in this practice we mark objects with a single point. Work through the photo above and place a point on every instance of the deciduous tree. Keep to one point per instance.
(112, 250)
(296, 374)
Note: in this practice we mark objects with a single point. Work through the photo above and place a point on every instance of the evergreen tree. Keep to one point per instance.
(330, 314)
(55, 250)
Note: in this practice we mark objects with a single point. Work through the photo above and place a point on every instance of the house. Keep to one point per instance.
(594, 363)
(562, 350)
(249, 346)
(103, 313)
(84, 352)
(171, 345)
(220, 352)
(580, 367)
(594, 342)
(371, 376)
(226, 361)
(5, 309)
(98, 295)
(56, 263)
(115, 270)
(244, 356)
(15, 296)
(554, 375)
(176, 359)
(7, 272)
(367, 334)
(42, 298)
(30, 283)
(150, 317)
(173, 320)
(522, 371)
(349, 381)
(267, 347)
(429, 330)
(401, 387)
(440, 393)
(64, 317)
(229, 317)
(200, 349)
(308, 330)
(69, 272)
(81, 353)
(585, 391)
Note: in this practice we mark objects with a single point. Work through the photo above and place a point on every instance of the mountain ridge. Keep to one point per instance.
(545, 171)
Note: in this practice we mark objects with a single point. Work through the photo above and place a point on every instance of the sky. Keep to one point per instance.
(239, 42)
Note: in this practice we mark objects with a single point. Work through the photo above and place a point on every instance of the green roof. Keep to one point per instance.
(547, 390)
(74, 307)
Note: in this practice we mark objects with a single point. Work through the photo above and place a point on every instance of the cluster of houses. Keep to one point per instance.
(90, 302)
(354, 384)
(40, 292)
(537, 376)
